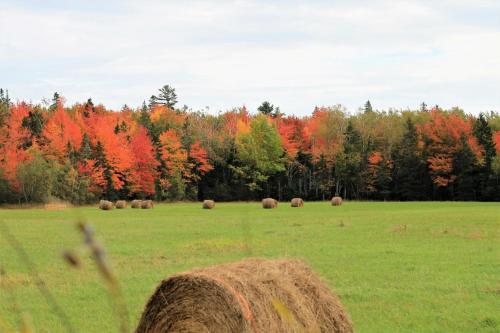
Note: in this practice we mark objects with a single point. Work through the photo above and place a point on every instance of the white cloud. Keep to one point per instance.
(227, 53)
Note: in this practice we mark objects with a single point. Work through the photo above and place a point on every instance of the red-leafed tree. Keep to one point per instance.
(144, 164)
(117, 158)
(441, 136)
(496, 140)
(61, 133)
(199, 160)
(14, 139)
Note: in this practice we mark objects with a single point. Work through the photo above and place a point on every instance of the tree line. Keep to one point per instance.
(85, 152)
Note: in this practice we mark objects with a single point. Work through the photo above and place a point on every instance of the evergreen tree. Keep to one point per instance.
(368, 107)
(349, 163)
(85, 152)
(55, 99)
(34, 122)
(268, 109)
(484, 134)
(423, 107)
(411, 178)
(145, 121)
(466, 171)
(100, 158)
(4, 105)
(167, 97)
(88, 108)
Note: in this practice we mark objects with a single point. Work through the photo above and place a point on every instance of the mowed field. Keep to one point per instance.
(397, 267)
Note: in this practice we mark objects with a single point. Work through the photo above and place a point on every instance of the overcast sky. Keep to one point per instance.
(222, 54)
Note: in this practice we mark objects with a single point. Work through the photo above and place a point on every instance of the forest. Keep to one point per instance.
(85, 152)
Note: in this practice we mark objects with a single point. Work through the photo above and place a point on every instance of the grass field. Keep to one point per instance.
(397, 267)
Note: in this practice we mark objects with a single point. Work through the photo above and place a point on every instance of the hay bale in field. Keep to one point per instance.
(146, 204)
(250, 296)
(269, 203)
(297, 202)
(121, 204)
(106, 205)
(336, 201)
(208, 204)
(136, 204)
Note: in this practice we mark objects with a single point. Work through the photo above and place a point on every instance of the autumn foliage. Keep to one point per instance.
(160, 152)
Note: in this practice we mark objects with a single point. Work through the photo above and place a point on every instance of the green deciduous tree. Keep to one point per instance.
(259, 152)
(35, 178)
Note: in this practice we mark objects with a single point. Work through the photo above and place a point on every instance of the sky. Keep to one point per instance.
(224, 54)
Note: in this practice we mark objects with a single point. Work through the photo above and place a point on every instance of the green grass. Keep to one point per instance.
(439, 274)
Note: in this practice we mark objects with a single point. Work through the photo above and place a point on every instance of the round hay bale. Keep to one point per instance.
(146, 204)
(106, 205)
(250, 296)
(121, 204)
(208, 204)
(136, 204)
(297, 202)
(336, 201)
(269, 203)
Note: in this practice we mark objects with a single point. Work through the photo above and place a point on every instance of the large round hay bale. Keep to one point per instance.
(121, 204)
(336, 201)
(136, 204)
(208, 204)
(106, 205)
(297, 202)
(269, 203)
(250, 296)
(146, 204)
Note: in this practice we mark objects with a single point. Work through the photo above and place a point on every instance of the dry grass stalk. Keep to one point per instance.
(33, 272)
(99, 255)
(250, 296)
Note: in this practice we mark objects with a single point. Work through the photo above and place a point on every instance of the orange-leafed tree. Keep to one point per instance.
(143, 172)
(199, 158)
(14, 140)
(442, 137)
(496, 140)
(174, 171)
(62, 134)
(112, 150)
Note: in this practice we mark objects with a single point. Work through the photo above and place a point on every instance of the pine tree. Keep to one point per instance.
(466, 171)
(85, 152)
(88, 108)
(349, 162)
(484, 134)
(269, 109)
(55, 100)
(145, 120)
(34, 122)
(368, 107)
(167, 97)
(4, 105)
(411, 179)
(423, 107)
